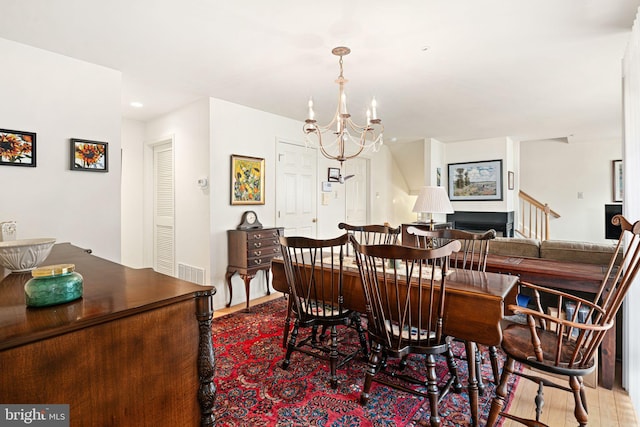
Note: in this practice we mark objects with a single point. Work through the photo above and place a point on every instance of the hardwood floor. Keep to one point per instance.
(610, 408)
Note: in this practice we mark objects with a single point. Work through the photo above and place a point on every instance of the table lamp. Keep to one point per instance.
(432, 200)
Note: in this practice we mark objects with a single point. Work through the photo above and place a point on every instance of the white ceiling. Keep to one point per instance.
(445, 69)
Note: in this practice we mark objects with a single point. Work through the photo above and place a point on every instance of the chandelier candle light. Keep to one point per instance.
(345, 130)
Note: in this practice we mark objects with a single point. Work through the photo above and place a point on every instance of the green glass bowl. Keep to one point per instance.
(53, 284)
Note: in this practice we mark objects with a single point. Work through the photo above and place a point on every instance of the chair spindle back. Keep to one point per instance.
(314, 271)
(474, 246)
(373, 234)
(405, 295)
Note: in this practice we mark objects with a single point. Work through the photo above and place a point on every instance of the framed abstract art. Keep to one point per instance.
(247, 180)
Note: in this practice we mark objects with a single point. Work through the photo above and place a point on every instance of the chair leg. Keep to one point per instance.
(403, 363)
(583, 395)
(333, 356)
(453, 368)
(290, 346)
(372, 368)
(356, 322)
(432, 390)
(580, 411)
(493, 357)
(501, 392)
(287, 324)
(479, 360)
(314, 335)
(539, 400)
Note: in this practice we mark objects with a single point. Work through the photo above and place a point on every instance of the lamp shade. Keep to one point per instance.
(433, 200)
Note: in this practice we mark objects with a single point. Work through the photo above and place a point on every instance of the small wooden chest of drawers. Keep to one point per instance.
(249, 252)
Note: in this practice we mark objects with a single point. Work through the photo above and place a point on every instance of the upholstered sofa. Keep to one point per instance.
(560, 250)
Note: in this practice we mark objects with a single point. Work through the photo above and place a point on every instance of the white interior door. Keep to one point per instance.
(296, 188)
(163, 210)
(357, 191)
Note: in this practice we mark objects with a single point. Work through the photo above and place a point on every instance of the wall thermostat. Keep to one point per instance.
(203, 182)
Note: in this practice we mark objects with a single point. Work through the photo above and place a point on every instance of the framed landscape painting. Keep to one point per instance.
(17, 148)
(247, 180)
(475, 180)
(91, 156)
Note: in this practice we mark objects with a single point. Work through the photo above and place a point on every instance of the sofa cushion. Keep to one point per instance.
(515, 246)
(589, 253)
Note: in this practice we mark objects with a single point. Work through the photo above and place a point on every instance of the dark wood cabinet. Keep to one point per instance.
(249, 252)
(135, 350)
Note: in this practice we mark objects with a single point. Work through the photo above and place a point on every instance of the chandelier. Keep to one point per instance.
(350, 138)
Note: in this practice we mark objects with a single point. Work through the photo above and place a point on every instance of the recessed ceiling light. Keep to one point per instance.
(137, 104)
(425, 48)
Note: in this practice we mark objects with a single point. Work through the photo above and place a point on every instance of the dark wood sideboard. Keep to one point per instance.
(135, 350)
(250, 251)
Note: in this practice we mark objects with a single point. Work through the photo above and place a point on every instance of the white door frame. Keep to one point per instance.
(148, 210)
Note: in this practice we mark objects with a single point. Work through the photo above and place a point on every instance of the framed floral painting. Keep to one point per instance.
(91, 156)
(247, 180)
(17, 148)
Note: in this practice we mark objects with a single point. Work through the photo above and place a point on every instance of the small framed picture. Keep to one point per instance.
(333, 175)
(247, 180)
(91, 156)
(17, 148)
(618, 188)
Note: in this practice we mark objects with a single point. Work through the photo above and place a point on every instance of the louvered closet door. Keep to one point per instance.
(163, 210)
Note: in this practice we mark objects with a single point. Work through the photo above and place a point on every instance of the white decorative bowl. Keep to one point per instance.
(24, 254)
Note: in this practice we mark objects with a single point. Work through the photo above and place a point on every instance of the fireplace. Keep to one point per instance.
(502, 222)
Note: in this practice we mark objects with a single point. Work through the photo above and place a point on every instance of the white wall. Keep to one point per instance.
(389, 199)
(401, 202)
(133, 194)
(481, 150)
(331, 214)
(189, 127)
(236, 129)
(60, 98)
(555, 172)
(631, 315)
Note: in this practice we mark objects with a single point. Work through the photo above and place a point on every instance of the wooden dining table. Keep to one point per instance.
(475, 307)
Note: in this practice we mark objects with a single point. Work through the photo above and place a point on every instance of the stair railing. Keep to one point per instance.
(534, 217)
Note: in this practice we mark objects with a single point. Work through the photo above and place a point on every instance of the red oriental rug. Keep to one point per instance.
(253, 390)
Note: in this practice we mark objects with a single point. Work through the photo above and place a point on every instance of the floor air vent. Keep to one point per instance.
(191, 274)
